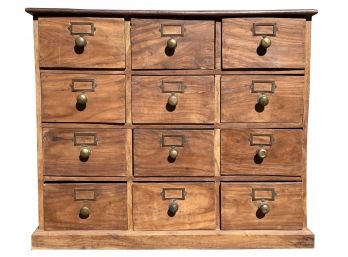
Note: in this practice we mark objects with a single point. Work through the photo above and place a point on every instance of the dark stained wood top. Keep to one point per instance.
(307, 13)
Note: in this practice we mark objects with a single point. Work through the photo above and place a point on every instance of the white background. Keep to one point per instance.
(327, 139)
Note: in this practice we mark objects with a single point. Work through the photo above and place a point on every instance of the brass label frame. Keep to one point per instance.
(255, 90)
(91, 89)
(163, 34)
(258, 24)
(76, 198)
(85, 134)
(78, 23)
(181, 86)
(252, 140)
(255, 198)
(182, 197)
(163, 143)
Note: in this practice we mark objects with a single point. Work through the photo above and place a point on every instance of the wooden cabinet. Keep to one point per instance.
(172, 129)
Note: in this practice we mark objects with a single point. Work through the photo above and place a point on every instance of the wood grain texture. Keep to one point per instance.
(239, 211)
(239, 46)
(192, 239)
(284, 156)
(106, 49)
(61, 157)
(195, 156)
(195, 50)
(150, 94)
(39, 146)
(285, 103)
(196, 211)
(107, 211)
(105, 105)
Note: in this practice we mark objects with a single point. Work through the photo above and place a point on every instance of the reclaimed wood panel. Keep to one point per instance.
(195, 96)
(196, 210)
(240, 211)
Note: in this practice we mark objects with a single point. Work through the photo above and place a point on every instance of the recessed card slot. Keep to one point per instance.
(85, 138)
(264, 29)
(263, 194)
(84, 194)
(263, 86)
(172, 30)
(85, 85)
(261, 139)
(82, 28)
(173, 193)
(173, 140)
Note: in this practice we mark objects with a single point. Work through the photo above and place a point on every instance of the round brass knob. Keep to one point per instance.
(84, 212)
(81, 99)
(173, 100)
(173, 208)
(85, 152)
(173, 153)
(264, 208)
(171, 43)
(263, 100)
(80, 42)
(262, 153)
(265, 42)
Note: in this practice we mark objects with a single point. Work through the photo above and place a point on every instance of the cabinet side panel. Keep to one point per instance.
(38, 124)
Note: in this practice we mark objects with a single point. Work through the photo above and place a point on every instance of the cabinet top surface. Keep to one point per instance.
(171, 13)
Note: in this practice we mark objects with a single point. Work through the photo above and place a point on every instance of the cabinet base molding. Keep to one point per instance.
(196, 239)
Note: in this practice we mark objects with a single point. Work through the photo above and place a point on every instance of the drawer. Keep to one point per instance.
(262, 99)
(61, 42)
(172, 44)
(262, 206)
(262, 152)
(84, 152)
(83, 98)
(173, 99)
(173, 152)
(174, 206)
(85, 206)
(263, 43)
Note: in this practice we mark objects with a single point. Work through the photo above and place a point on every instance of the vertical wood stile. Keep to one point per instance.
(39, 125)
(128, 122)
(305, 117)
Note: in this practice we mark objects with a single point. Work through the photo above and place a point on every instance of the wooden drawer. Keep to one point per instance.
(241, 43)
(105, 39)
(154, 152)
(194, 44)
(262, 206)
(65, 152)
(242, 150)
(154, 206)
(62, 98)
(153, 99)
(85, 206)
(249, 94)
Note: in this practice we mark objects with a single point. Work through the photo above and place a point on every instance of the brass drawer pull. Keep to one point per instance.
(85, 153)
(171, 43)
(81, 100)
(261, 153)
(262, 100)
(264, 208)
(84, 212)
(173, 100)
(173, 153)
(80, 42)
(172, 208)
(265, 42)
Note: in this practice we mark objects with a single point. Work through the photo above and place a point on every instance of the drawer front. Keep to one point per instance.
(85, 206)
(104, 38)
(263, 43)
(174, 206)
(173, 152)
(262, 152)
(191, 45)
(83, 98)
(262, 99)
(84, 152)
(173, 99)
(262, 206)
